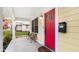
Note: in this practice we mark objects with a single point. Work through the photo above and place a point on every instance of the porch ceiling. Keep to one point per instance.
(24, 13)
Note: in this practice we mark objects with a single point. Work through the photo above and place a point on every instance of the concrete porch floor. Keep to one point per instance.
(22, 45)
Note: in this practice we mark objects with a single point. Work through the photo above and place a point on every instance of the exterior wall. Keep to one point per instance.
(41, 27)
(22, 25)
(69, 41)
(18, 28)
(41, 34)
(25, 28)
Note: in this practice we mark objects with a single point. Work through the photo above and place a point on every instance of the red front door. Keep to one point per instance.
(50, 29)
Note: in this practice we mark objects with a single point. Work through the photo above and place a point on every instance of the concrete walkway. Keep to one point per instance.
(22, 44)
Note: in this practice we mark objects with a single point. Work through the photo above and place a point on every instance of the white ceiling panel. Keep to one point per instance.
(25, 13)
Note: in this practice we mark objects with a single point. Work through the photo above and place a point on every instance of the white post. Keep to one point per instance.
(13, 24)
(13, 28)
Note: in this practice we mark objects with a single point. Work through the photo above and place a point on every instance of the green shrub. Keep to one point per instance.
(7, 38)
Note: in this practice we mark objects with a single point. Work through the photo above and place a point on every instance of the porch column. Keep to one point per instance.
(13, 28)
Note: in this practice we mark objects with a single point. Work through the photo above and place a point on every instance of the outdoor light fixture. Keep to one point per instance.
(63, 27)
(41, 16)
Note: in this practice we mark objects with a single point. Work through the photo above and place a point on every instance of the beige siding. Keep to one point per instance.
(69, 41)
(41, 31)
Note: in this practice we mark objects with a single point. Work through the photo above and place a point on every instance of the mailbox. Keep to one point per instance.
(63, 27)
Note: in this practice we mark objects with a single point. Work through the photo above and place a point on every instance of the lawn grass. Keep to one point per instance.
(19, 33)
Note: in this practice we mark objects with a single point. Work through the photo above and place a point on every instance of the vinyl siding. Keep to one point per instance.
(41, 33)
(69, 41)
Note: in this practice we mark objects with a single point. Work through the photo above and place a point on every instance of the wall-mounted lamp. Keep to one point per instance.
(41, 16)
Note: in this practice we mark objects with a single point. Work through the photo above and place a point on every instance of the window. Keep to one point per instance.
(35, 25)
(49, 16)
(27, 26)
(18, 27)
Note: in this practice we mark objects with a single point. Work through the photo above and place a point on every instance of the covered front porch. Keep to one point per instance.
(22, 44)
(25, 22)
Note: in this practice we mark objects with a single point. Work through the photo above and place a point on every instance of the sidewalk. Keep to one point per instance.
(22, 45)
